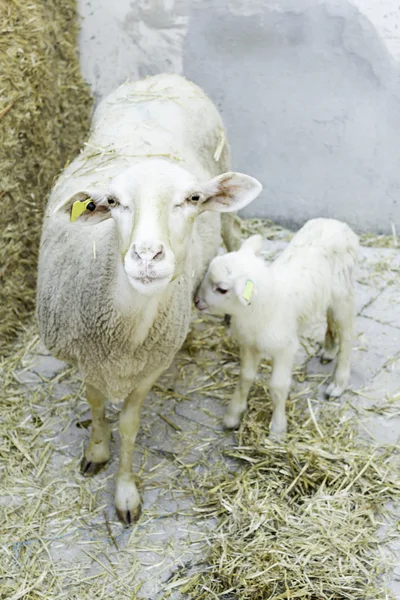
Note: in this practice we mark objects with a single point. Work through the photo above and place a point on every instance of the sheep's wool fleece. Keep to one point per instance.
(78, 317)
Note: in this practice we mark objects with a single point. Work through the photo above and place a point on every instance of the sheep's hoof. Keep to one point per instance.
(127, 517)
(127, 499)
(90, 468)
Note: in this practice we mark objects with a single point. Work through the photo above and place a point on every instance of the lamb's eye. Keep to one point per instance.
(111, 201)
(194, 197)
(221, 290)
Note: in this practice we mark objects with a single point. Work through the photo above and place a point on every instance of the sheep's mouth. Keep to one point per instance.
(148, 275)
(149, 284)
(202, 308)
(149, 279)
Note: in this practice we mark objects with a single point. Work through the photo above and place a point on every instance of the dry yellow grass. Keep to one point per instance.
(298, 520)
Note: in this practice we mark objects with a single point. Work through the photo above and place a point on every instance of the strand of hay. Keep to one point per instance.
(44, 112)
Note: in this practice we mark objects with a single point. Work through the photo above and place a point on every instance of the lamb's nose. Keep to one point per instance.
(200, 303)
(149, 252)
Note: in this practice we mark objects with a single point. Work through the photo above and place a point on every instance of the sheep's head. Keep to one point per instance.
(228, 284)
(154, 205)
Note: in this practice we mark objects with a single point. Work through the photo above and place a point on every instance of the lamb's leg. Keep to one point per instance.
(98, 451)
(127, 499)
(343, 313)
(330, 344)
(249, 361)
(230, 231)
(279, 385)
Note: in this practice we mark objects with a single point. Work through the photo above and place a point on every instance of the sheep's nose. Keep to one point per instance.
(200, 303)
(149, 252)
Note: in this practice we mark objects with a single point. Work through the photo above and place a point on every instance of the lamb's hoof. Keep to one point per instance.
(127, 517)
(277, 437)
(324, 360)
(90, 468)
(231, 422)
(334, 390)
(328, 356)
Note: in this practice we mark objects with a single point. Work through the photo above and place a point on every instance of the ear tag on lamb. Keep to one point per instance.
(248, 290)
(79, 207)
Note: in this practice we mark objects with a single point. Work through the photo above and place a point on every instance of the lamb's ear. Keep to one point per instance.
(253, 243)
(244, 289)
(229, 192)
(86, 207)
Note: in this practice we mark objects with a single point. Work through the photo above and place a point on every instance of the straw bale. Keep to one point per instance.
(44, 112)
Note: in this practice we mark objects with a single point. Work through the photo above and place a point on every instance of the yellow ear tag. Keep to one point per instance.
(248, 290)
(78, 208)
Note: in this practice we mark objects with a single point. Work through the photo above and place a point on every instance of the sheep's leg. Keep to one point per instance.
(249, 361)
(344, 320)
(127, 499)
(231, 231)
(279, 385)
(330, 348)
(98, 450)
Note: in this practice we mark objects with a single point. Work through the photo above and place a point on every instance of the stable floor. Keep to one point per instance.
(61, 536)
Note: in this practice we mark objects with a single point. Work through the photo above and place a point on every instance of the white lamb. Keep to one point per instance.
(269, 303)
(115, 286)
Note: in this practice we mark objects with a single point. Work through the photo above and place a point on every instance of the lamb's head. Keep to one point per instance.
(229, 284)
(154, 205)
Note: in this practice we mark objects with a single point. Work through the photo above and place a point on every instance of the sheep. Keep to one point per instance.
(269, 304)
(129, 230)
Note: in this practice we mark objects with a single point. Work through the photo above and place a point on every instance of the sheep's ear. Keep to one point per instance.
(253, 243)
(229, 192)
(244, 289)
(86, 207)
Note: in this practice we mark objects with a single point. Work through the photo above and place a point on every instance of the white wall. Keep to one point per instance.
(309, 91)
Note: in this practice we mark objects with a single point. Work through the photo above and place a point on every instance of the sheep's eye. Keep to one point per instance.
(112, 201)
(221, 290)
(194, 197)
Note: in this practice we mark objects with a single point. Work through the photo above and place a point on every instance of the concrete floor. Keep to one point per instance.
(82, 531)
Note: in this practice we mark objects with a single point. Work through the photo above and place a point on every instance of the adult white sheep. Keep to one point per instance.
(270, 303)
(115, 286)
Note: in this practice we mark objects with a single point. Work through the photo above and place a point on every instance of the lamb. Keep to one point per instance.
(269, 304)
(129, 230)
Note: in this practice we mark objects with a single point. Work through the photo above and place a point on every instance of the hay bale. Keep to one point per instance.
(44, 112)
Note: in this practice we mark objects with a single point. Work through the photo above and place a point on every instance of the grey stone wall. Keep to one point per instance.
(309, 91)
